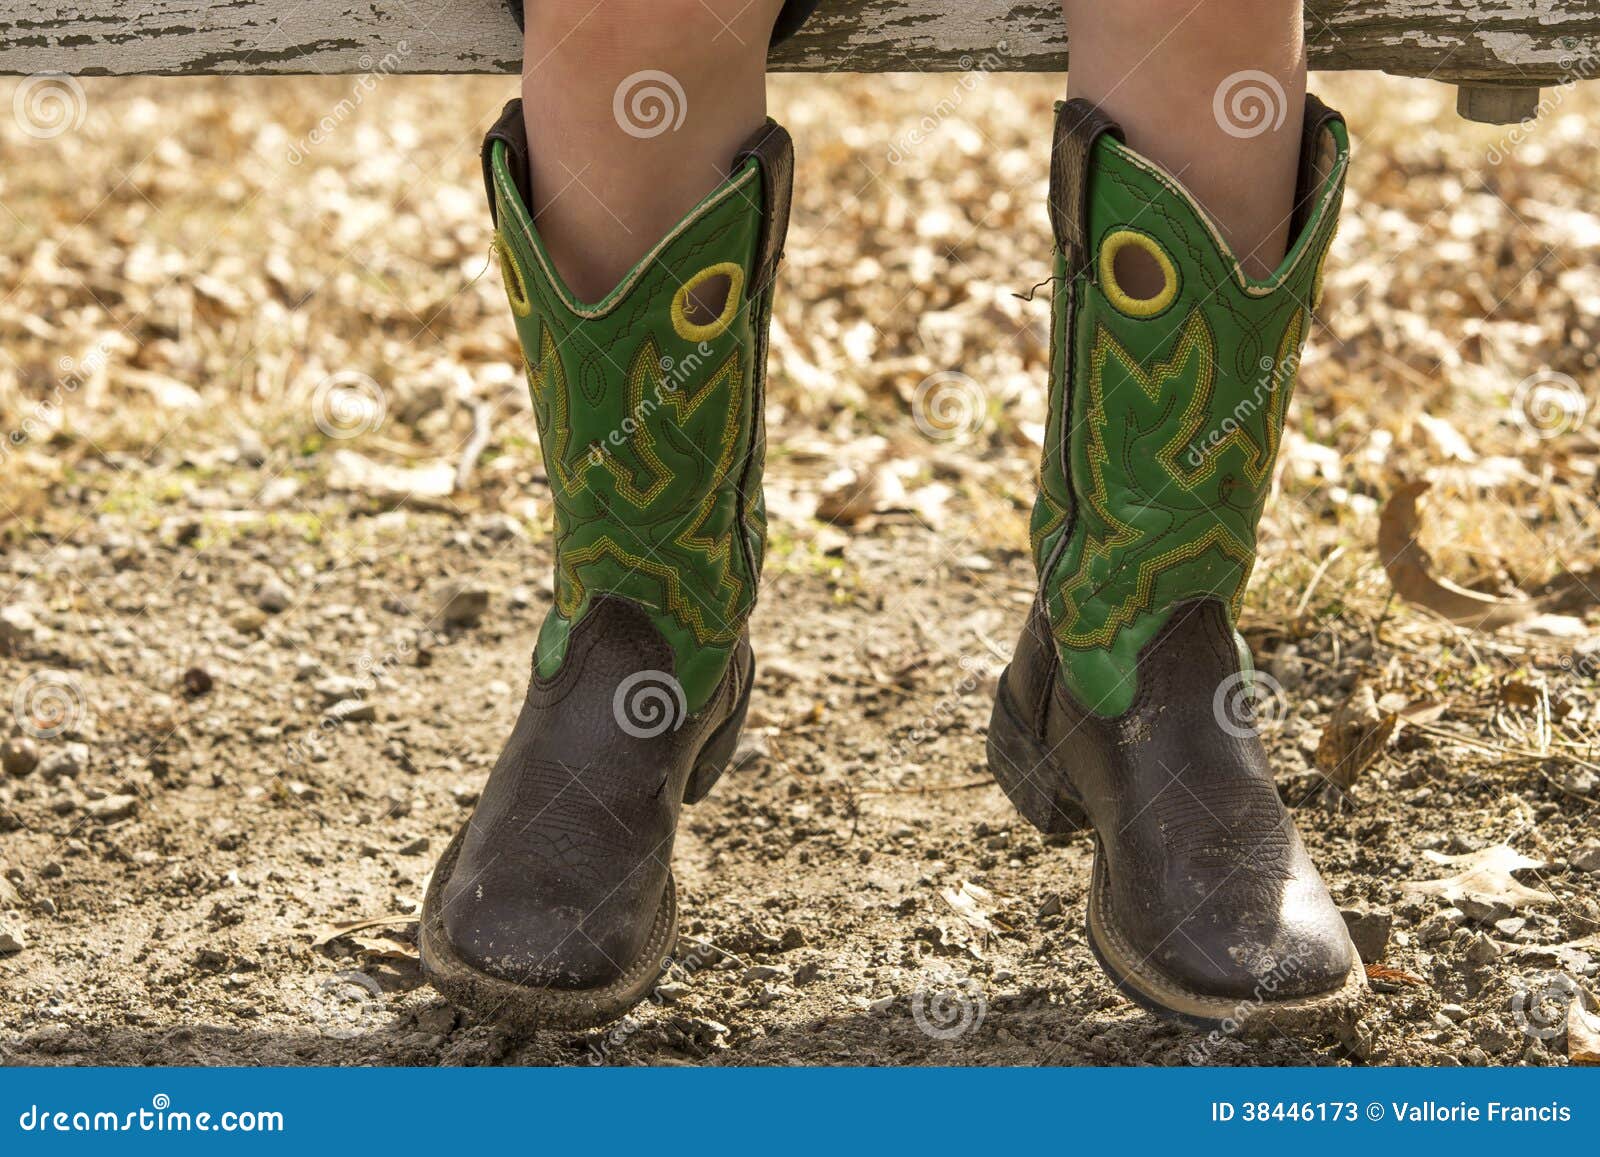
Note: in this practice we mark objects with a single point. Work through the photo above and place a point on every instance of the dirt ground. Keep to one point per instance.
(210, 855)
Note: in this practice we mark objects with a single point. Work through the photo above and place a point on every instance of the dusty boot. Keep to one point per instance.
(1120, 709)
(554, 905)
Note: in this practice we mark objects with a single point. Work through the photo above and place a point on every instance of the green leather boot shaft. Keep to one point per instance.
(647, 419)
(1174, 410)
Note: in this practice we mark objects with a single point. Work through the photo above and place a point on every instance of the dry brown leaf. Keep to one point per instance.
(380, 947)
(1354, 737)
(350, 471)
(1523, 694)
(1423, 711)
(1483, 877)
(333, 931)
(853, 497)
(1583, 1030)
(975, 904)
(1396, 978)
(1410, 570)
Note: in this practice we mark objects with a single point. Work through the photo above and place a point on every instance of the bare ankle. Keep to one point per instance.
(634, 110)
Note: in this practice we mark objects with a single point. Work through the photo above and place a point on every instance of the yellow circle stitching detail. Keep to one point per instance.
(1136, 306)
(688, 330)
(511, 274)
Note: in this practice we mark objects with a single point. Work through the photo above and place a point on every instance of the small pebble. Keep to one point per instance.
(1481, 950)
(70, 760)
(273, 597)
(1369, 931)
(461, 606)
(112, 808)
(19, 755)
(353, 711)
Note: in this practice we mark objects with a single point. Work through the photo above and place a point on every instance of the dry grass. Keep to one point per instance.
(183, 270)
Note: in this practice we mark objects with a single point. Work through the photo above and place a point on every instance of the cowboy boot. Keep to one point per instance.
(1120, 708)
(555, 905)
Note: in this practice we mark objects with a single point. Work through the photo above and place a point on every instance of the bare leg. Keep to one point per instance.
(634, 109)
(1175, 75)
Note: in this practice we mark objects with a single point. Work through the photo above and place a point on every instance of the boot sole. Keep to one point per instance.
(1041, 791)
(527, 1008)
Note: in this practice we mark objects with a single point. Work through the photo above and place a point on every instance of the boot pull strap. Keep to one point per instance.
(1079, 124)
(1313, 162)
(772, 149)
(509, 131)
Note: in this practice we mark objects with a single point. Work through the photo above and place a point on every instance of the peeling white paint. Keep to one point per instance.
(1522, 50)
(1481, 39)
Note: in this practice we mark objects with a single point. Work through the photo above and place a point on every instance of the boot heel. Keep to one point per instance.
(1027, 774)
(718, 752)
(701, 780)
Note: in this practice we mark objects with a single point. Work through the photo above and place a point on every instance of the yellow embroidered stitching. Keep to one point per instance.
(1119, 297)
(690, 331)
(549, 387)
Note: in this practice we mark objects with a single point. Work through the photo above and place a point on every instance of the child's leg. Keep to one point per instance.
(1214, 91)
(640, 202)
(1127, 706)
(634, 109)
